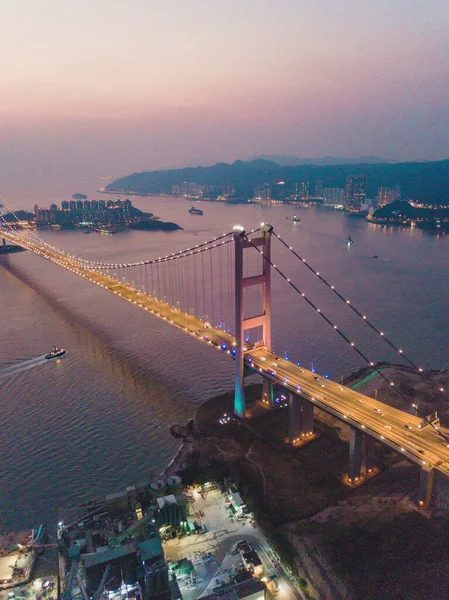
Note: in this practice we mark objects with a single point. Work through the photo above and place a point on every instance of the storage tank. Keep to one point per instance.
(158, 487)
(174, 485)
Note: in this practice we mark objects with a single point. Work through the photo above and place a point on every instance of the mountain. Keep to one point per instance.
(285, 159)
(427, 182)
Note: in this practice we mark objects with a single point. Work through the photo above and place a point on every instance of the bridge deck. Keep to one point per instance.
(385, 423)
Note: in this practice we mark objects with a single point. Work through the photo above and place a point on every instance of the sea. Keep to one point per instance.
(97, 420)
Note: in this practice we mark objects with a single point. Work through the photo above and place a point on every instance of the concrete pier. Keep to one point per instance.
(355, 455)
(267, 392)
(425, 490)
(369, 451)
(362, 449)
(300, 422)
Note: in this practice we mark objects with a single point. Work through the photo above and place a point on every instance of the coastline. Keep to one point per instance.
(179, 459)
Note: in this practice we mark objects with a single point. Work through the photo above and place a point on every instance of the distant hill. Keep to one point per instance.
(285, 159)
(427, 182)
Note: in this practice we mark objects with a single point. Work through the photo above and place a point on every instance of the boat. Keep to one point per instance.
(106, 229)
(195, 211)
(296, 219)
(350, 241)
(375, 256)
(55, 353)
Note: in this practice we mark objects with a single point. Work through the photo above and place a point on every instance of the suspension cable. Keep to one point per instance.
(365, 319)
(348, 303)
(340, 333)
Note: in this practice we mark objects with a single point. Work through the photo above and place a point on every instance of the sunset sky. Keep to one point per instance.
(106, 87)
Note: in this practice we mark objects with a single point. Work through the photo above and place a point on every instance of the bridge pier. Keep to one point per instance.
(300, 418)
(369, 453)
(425, 490)
(355, 455)
(361, 455)
(267, 392)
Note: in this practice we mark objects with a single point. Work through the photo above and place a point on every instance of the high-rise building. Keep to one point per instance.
(64, 205)
(355, 192)
(334, 196)
(304, 190)
(388, 195)
(318, 188)
(262, 192)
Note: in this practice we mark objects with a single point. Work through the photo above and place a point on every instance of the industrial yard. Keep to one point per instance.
(229, 548)
(164, 540)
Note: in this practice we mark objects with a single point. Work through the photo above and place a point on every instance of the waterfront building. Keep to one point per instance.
(113, 550)
(334, 196)
(355, 192)
(387, 195)
(84, 212)
(262, 192)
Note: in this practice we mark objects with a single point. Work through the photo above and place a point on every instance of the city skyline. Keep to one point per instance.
(109, 88)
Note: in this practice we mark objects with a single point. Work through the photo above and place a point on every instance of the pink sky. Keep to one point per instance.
(114, 86)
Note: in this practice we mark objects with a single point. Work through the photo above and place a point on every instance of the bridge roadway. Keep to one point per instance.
(391, 426)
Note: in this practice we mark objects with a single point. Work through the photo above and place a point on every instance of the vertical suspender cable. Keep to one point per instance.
(203, 281)
(212, 287)
(220, 250)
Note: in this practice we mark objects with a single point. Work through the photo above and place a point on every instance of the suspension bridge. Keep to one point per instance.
(182, 289)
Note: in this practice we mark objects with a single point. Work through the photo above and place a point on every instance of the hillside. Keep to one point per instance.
(426, 182)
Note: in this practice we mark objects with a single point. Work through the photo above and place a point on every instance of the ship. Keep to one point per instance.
(105, 229)
(195, 211)
(55, 353)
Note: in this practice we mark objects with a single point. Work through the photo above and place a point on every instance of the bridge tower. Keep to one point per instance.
(263, 243)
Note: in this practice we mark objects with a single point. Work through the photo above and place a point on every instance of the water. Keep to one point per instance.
(97, 420)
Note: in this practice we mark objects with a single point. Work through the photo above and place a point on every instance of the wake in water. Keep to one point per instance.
(7, 371)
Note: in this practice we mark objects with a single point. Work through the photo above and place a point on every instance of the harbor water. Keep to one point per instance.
(97, 420)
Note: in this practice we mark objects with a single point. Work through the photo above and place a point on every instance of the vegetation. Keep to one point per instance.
(427, 182)
(394, 560)
(396, 211)
(21, 215)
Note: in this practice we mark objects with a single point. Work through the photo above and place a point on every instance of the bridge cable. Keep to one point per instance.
(212, 289)
(204, 287)
(220, 270)
(364, 318)
(340, 333)
(102, 264)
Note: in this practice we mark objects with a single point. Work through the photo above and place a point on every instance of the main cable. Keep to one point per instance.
(340, 333)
